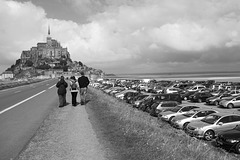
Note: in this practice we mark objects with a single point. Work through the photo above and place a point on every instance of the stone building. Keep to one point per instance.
(50, 49)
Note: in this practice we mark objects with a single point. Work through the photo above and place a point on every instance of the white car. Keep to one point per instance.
(179, 110)
(182, 121)
(196, 88)
(230, 103)
(172, 90)
(213, 124)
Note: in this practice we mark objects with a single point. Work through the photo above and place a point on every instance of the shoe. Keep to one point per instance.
(60, 106)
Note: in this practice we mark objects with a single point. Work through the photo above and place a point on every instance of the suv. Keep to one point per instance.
(158, 107)
(146, 105)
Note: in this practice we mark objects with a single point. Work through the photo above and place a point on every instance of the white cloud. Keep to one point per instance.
(129, 36)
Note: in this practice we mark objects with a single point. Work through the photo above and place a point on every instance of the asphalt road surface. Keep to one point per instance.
(22, 111)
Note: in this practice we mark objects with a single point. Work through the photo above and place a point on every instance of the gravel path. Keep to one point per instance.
(66, 134)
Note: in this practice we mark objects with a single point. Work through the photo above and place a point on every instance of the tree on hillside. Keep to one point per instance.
(80, 63)
(18, 62)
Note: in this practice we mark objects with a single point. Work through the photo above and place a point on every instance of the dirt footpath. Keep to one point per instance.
(66, 134)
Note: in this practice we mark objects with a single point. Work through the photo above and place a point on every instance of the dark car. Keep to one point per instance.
(131, 96)
(230, 139)
(215, 99)
(185, 94)
(200, 97)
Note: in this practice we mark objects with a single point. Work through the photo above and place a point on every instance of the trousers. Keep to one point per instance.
(83, 92)
(62, 100)
(74, 98)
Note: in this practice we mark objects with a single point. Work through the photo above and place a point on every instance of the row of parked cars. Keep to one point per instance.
(206, 123)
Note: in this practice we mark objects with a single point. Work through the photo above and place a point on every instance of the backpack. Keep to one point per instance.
(74, 86)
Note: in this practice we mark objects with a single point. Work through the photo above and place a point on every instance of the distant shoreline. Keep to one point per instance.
(196, 76)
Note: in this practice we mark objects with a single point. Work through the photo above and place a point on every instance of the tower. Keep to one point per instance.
(49, 39)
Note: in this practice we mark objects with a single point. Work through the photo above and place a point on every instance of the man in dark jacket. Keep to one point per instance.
(62, 91)
(83, 82)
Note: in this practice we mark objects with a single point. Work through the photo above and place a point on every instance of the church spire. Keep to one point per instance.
(48, 30)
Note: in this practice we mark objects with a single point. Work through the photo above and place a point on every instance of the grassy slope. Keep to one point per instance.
(128, 133)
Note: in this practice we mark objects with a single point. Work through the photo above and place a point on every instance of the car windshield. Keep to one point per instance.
(211, 119)
(141, 97)
(175, 109)
(237, 127)
(190, 113)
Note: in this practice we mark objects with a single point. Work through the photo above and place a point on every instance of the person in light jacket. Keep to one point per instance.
(74, 90)
(62, 91)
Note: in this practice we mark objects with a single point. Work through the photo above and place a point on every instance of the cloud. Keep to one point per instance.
(131, 35)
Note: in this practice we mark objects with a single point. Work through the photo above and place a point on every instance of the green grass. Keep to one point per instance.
(128, 133)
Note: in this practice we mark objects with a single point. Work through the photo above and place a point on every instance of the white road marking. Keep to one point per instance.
(52, 86)
(5, 110)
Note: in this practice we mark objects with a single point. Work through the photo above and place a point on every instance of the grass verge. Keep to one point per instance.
(127, 133)
(12, 84)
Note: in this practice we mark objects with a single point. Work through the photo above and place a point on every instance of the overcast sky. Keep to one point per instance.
(128, 36)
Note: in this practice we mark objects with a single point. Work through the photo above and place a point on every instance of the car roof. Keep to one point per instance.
(204, 109)
(225, 114)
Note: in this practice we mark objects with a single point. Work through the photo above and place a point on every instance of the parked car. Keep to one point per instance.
(121, 94)
(200, 96)
(196, 88)
(158, 107)
(141, 99)
(231, 103)
(230, 138)
(212, 125)
(182, 121)
(234, 92)
(130, 97)
(146, 105)
(172, 90)
(215, 99)
(185, 94)
(171, 113)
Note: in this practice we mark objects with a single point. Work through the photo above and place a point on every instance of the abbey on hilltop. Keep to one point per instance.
(47, 59)
(51, 50)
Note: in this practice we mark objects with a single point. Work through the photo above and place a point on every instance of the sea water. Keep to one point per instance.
(217, 76)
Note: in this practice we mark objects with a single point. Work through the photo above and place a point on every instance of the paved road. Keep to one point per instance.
(22, 111)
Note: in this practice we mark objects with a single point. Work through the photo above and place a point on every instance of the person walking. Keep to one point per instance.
(83, 82)
(74, 90)
(62, 91)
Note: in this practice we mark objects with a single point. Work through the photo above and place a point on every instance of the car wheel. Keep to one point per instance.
(170, 119)
(238, 148)
(216, 103)
(185, 126)
(200, 100)
(230, 105)
(209, 135)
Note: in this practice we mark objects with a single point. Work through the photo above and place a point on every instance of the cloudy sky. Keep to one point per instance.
(128, 36)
